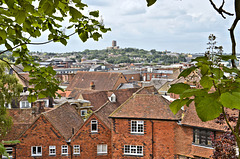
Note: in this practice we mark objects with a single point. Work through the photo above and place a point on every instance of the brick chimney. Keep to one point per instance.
(92, 85)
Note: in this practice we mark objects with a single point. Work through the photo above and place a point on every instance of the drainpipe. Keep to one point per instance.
(152, 139)
(69, 144)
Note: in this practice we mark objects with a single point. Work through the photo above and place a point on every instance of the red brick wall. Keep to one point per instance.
(184, 146)
(159, 144)
(88, 141)
(41, 133)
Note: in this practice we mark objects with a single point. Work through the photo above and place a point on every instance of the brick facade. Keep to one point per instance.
(41, 133)
(158, 140)
(89, 141)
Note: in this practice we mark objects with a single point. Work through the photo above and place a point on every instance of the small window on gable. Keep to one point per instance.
(112, 98)
(25, 104)
(9, 150)
(64, 150)
(36, 150)
(76, 149)
(83, 112)
(52, 150)
(137, 126)
(94, 126)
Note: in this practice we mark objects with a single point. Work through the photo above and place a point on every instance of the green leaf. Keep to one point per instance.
(206, 82)
(20, 17)
(83, 36)
(228, 57)
(32, 98)
(27, 68)
(178, 88)
(217, 72)
(176, 105)
(194, 92)
(96, 36)
(187, 71)
(208, 109)
(94, 13)
(230, 100)
(150, 2)
(63, 41)
(204, 69)
(75, 13)
(3, 34)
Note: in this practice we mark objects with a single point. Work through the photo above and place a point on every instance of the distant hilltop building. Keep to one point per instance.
(114, 45)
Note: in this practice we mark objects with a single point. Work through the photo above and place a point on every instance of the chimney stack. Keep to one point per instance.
(92, 85)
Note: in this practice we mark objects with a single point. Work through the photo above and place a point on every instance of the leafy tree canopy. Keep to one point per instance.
(21, 21)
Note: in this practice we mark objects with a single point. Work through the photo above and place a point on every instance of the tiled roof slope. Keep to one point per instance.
(99, 98)
(102, 80)
(22, 119)
(191, 118)
(64, 118)
(145, 106)
(104, 111)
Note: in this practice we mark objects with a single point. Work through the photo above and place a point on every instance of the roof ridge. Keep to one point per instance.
(101, 106)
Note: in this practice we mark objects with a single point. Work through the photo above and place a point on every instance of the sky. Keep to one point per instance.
(181, 26)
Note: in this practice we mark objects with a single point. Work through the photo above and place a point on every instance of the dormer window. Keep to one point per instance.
(25, 104)
(112, 98)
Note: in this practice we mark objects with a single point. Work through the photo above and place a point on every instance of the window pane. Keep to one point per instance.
(126, 149)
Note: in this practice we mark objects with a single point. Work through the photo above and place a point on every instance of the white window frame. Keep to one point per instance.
(64, 147)
(133, 150)
(83, 110)
(52, 148)
(94, 122)
(139, 123)
(46, 103)
(9, 150)
(37, 153)
(102, 149)
(76, 149)
(21, 104)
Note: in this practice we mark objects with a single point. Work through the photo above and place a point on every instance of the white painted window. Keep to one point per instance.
(102, 149)
(83, 112)
(52, 150)
(36, 150)
(9, 150)
(133, 150)
(64, 149)
(76, 149)
(137, 126)
(94, 126)
(25, 104)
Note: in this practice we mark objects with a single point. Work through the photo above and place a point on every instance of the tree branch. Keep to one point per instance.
(220, 10)
(233, 41)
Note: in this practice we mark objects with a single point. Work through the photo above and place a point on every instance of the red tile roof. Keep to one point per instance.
(64, 118)
(102, 80)
(191, 118)
(145, 106)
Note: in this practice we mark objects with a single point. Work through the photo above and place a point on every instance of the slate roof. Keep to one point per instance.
(145, 106)
(102, 80)
(64, 118)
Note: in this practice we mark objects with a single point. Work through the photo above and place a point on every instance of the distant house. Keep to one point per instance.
(97, 81)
